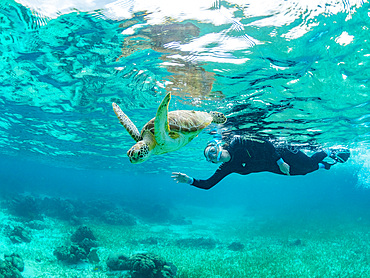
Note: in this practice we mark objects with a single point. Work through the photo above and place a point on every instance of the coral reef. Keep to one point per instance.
(118, 262)
(25, 207)
(36, 224)
(19, 235)
(11, 266)
(154, 213)
(236, 246)
(82, 233)
(98, 207)
(7, 270)
(296, 242)
(15, 260)
(93, 256)
(142, 266)
(118, 217)
(83, 240)
(223, 251)
(34, 209)
(59, 208)
(70, 254)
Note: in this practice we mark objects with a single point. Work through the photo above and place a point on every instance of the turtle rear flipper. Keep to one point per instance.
(161, 127)
(127, 123)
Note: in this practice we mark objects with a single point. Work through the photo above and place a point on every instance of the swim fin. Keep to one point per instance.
(340, 155)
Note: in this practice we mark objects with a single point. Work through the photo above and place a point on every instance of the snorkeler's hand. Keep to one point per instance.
(181, 178)
(285, 168)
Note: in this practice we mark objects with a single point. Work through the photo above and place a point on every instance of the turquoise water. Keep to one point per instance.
(286, 70)
(299, 74)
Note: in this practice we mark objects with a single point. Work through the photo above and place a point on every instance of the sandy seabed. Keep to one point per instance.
(316, 245)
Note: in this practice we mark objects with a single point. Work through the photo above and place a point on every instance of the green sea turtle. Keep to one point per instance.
(167, 132)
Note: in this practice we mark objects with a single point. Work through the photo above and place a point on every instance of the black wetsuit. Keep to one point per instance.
(251, 155)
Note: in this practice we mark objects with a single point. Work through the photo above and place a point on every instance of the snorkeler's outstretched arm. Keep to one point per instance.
(182, 178)
(220, 173)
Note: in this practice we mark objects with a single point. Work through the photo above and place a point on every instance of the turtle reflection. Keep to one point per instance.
(188, 78)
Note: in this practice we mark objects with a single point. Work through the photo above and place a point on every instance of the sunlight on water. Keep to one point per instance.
(289, 70)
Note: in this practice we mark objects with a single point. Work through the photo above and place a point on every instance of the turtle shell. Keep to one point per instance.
(185, 122)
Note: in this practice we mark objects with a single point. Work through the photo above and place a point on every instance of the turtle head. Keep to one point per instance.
(139, 152)
(218, 117)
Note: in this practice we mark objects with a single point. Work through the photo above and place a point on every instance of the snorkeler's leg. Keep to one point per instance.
(339, 154)
(300, 163)
(318, 157)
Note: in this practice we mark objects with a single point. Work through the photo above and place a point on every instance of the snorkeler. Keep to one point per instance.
(245, 155)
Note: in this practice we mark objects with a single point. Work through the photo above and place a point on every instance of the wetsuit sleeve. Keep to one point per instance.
(271, 151)
(220, 173)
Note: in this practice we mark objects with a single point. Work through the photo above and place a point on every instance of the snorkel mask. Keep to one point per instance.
(213, 151)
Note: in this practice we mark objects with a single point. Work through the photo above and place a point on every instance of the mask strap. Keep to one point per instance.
(213, 142)
(219, 153)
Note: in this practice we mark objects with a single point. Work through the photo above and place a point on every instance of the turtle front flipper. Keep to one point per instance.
(161, 127)
(127, 123)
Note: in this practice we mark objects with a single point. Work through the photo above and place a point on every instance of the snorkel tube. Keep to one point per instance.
(215, 147)
(215, 143)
